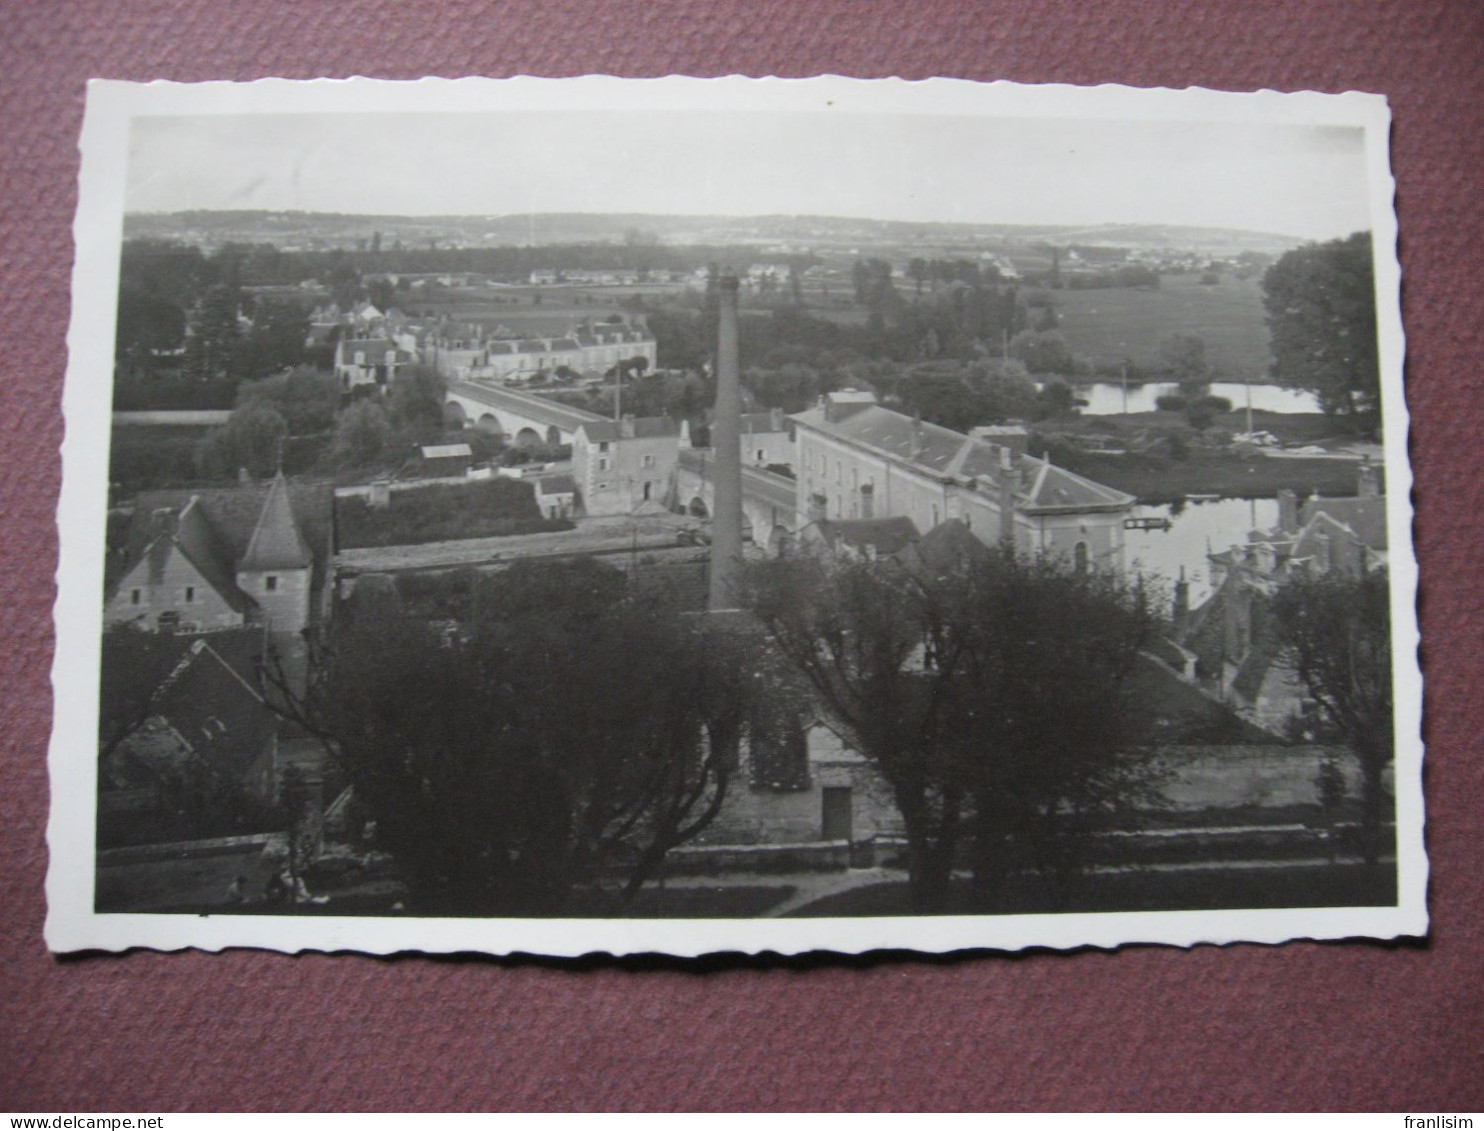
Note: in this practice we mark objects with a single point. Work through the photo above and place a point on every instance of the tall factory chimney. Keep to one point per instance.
(726, 443)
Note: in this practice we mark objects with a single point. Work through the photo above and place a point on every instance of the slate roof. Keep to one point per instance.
(645, 428)
(372, 347)
(1364, 516)
(276, 542)
(231, 517)
(556, 485)
(946, 547)
(446, 451)
(943, 453)
(754, 422)
(214, 709)
(885, 536)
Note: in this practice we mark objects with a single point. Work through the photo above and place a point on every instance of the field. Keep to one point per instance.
(1108, 325)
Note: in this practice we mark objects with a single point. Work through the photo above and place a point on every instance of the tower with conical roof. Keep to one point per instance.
(277, 568)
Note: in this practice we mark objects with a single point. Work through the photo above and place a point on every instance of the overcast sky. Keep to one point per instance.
(1296, 180)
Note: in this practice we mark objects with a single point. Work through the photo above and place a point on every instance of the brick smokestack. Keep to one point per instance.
(726, 443)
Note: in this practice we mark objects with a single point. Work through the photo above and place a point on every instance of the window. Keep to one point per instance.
(270, 583)
(762, 456)
(649, 461)
(603, 464)
(935, 514)
(839, 473)
(135, 596)
(1079, 557)
(602, 486)
(603, 446)
(190, 594)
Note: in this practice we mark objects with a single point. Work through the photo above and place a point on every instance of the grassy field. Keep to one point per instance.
(1106, 325)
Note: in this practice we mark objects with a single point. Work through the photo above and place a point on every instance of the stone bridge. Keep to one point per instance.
(768, 506)
(523, 419)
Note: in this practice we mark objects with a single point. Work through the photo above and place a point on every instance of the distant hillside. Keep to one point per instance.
(323, 230)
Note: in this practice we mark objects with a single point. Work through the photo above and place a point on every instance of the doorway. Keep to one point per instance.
(838, 815)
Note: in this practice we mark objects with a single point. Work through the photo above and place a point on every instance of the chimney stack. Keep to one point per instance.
(726, 442)
(1181, 612)
(1287, 511)
(1369, 486)
(1009, 489)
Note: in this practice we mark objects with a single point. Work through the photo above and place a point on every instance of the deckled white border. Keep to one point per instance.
(71, 923)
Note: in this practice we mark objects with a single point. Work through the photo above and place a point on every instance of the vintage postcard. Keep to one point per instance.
(676, 515)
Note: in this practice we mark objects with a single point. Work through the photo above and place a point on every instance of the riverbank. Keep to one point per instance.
(1227, 475)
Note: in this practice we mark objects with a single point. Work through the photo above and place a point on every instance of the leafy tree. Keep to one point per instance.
(565, 730)
(250, 440)
(274, 342)
(1321, 309)
(1183, 358)
(415, 400)
(306, 398)
(363, 435)
(211, 348)
(988, 694)
(1335, 631)
(856, 633)
(1043, 351)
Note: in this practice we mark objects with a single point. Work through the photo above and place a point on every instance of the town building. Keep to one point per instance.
(446, 460)
(619, 465)
(858, 460)
(368, 361)
(1231, 639)
(196, 561)
(207, 743)
(473, 351)
(767, 439)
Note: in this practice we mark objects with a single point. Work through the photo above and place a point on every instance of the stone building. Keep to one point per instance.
(857, 460)
(195, 561)
(619, 465)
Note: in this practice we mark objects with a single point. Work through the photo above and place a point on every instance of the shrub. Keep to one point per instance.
(1172, 402)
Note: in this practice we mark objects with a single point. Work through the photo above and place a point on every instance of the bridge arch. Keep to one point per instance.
(490, 423)
(553, 435)
(454, 415)
(527, 437)
(697, 508)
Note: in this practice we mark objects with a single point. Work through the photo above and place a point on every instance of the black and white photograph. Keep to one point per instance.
(681, 516)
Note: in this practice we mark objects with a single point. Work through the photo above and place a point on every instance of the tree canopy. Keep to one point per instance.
(988, 694)
(1321, 311)
(562, 731)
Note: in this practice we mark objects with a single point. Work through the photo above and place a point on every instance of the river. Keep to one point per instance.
(1196, 529)
(1105, 398)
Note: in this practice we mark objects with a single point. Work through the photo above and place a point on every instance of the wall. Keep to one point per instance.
(286, 606)
(207, 609)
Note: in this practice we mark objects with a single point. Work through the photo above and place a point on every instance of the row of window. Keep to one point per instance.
(604, 464)
(136, 596)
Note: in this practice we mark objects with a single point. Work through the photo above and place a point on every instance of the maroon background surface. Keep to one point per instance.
(1355, 1025)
